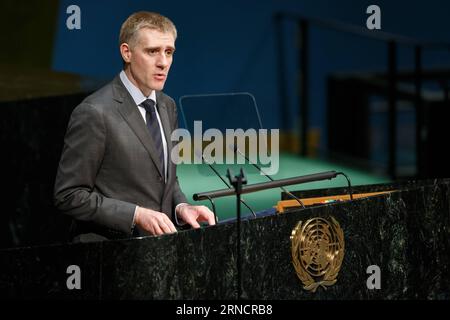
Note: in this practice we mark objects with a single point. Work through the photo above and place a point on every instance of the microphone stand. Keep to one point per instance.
(226, 183)
(237, 182)
(269, 177)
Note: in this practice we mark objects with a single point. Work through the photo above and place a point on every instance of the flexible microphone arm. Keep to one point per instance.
(348, 183)
(327, 175)
(236, 149)
(226, 183)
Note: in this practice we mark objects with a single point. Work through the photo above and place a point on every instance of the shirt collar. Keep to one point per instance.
(134, 91)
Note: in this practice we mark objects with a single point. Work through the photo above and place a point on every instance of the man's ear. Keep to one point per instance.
(125, 52)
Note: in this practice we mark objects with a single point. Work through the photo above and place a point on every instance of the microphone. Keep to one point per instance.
(200, 156)
(236, 149)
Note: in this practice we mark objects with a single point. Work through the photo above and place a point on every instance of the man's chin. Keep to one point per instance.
(158, 86)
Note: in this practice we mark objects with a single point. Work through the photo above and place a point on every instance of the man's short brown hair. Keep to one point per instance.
(144, 19)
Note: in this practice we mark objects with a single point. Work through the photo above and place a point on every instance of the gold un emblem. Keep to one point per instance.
(317, 252)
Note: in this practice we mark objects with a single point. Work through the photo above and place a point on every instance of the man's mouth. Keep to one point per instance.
(159, 76)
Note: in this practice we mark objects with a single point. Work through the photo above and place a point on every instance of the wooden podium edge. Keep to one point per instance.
(283, 205)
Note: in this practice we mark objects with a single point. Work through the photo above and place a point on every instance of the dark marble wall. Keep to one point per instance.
(405, 233)
(31, 138)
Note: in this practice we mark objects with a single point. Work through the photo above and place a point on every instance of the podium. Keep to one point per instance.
(401, 235)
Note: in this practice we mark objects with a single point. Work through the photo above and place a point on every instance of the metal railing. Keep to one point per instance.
(392, 42)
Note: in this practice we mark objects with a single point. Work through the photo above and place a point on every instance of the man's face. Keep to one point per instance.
(149, 60)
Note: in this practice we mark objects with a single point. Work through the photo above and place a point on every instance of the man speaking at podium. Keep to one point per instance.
(115, 176)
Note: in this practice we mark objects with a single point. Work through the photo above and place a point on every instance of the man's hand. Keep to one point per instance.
(155, 222)
(194, 214)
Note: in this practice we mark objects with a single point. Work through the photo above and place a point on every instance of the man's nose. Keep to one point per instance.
(162, 61)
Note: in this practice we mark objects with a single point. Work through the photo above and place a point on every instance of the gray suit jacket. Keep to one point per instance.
(109, 163)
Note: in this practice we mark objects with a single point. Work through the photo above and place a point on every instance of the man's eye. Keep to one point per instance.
(153, 51)
(169, 52)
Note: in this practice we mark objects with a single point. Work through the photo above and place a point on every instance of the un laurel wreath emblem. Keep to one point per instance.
(317, 252)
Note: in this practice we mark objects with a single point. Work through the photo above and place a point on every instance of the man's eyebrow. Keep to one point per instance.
(160, 47)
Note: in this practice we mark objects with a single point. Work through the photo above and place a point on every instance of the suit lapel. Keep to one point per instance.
(133, 117)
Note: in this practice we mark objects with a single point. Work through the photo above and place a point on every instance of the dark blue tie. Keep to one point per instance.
(154, 128)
